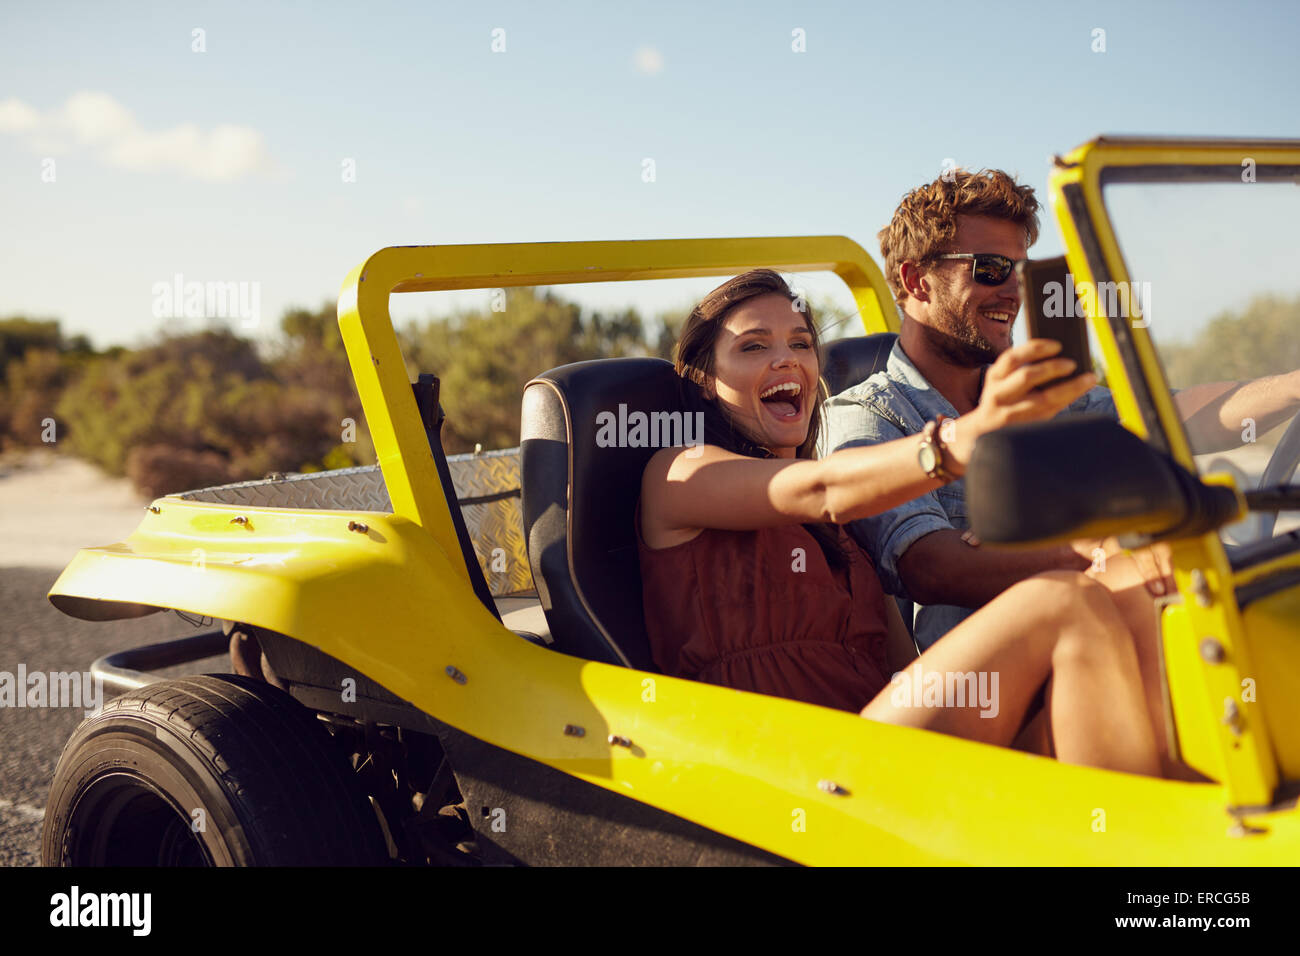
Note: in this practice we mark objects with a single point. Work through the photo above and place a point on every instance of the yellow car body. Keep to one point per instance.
(388, 594)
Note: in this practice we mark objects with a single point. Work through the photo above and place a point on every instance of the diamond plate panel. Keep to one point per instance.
(495, 526)
(347, 489)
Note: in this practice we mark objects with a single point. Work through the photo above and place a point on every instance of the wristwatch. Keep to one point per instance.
(930, 454)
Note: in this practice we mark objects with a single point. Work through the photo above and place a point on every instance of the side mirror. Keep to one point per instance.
(1086, 477)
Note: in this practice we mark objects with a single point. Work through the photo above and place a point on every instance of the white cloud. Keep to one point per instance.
(648, 60)
(96, 121)
(16, 117)
(96, 118)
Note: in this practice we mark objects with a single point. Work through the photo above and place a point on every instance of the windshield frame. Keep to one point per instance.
(1215, 598)
(1136, 373)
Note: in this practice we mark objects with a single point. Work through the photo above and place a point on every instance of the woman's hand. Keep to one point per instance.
(1009, 395)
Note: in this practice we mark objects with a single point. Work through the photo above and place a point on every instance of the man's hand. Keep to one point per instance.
(1156, 565)
(1096, 551)
(1010, 394)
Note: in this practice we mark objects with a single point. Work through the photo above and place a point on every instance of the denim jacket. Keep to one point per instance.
(893, 404)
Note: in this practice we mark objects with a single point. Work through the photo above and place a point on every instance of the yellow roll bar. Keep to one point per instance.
(380, 373)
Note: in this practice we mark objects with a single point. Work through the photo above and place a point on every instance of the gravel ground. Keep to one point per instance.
(50, 506)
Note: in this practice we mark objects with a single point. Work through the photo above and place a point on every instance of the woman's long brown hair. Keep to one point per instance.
(693, 359)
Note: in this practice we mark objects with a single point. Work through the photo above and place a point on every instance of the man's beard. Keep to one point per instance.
(959, 341)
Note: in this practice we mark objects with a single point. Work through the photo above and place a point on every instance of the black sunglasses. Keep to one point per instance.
(987, 268)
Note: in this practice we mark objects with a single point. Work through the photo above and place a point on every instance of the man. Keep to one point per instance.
(953, 328)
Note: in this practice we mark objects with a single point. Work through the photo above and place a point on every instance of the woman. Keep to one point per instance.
(779, 600)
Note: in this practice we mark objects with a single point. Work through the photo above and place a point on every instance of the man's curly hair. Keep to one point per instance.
(925, 222)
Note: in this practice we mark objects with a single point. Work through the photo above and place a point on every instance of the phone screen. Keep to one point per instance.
(1052, 311)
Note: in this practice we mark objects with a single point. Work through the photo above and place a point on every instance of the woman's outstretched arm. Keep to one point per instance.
(686, 489)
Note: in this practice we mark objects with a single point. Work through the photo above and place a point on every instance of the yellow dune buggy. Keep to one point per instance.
(443, 660)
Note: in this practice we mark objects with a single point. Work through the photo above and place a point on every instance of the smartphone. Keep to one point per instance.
(1052, 311)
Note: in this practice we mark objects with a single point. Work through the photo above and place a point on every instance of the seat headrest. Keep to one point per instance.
(846, 362)
(582, 455)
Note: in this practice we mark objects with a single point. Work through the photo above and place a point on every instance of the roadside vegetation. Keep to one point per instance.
(1262, 339)
(209, 406)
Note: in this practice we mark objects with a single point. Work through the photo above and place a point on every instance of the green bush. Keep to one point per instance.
(485, 358)
(207, 407)
(221, 412)
(29, 397)
(1262, 339)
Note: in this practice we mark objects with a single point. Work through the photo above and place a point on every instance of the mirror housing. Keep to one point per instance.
(1086, 477)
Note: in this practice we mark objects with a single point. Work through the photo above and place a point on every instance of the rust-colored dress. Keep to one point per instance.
(734, 608)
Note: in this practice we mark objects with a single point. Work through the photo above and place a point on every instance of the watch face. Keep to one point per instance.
(927, 458)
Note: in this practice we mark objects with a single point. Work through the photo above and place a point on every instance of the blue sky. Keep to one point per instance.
(226, 165)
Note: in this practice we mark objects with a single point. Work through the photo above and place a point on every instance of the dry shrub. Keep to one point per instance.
(158, 470)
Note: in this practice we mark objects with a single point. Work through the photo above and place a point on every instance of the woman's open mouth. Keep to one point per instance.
(783, 401)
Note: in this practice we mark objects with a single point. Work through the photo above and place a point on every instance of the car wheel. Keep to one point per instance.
(218, 770)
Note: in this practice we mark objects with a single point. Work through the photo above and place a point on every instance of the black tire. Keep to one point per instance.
(273, 787)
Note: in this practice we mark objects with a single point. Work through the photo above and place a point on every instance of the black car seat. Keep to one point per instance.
(845, 363)
(579, 498)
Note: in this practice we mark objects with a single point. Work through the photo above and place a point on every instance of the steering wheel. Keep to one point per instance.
(1280, 470)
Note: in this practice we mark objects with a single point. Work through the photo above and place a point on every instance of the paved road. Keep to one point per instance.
(35, 634)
